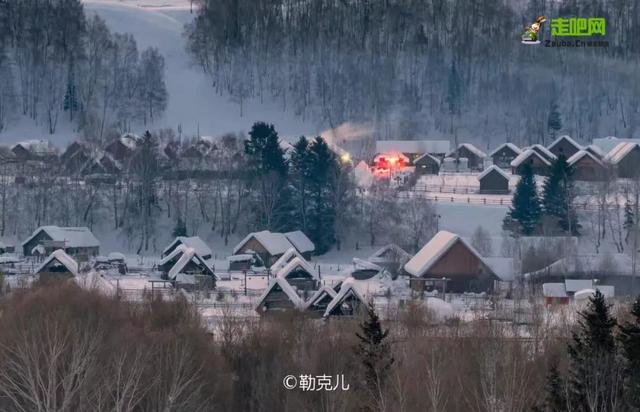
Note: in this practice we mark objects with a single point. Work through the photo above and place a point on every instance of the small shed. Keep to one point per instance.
(475, 157)
(449, 256)
(58, 264)
(427, 164)
(539, 165)
(504, 154)
(494, 181)
(587, 167)
(564, 145)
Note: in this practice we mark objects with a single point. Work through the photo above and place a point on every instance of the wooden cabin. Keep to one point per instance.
(540, 165)
(544, 152)
(504, 154)
(194, 242)
(317, 304)
(494, 181)
(58, 265)
(427, 164)
(625, 158)
(475, 157)
(270, 246)
(279, 297)
(300, 274)
(564, 145)
(349, 301)
(587, 167)
(184, 260)
(448, 256)
(75, 241)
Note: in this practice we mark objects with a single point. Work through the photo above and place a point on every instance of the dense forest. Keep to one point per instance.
(55, 62)
(416, 68)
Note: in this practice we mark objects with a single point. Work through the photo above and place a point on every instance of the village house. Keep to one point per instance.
(504, 154)
(448, 256)
(625, 158)
(596, 151)
(36, 150)
(564, 145)
(587, 167)
(317, 304)
(186, 261)
(540, 165)
(299, 274)
(427, 164)
(494, 181)
(279, 296)
(270, 246)
(287, 257)
(75, 241)
(352, 298)
(543, 152)
(391, 258)
(475, 157)
(194, 242)
(58, 264)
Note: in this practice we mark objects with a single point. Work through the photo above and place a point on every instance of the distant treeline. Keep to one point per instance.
(425, 67)
(55, 62)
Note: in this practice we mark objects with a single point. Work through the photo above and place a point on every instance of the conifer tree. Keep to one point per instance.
(595, 379)
(323, 163)
(374, 351)
(555, 397)
(524, 214)
(630, 341)
(558, 195)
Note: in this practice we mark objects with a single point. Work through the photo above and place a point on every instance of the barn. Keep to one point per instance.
(427, 164)
(564, 145)
(587, 167)
(504, 154)
(494, 181)
(75, 241)
(448, 256)
(475, 157)
(540, 165)
(58, 264)
(625, 158)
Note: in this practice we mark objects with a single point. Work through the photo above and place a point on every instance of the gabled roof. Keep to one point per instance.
(397, 250)
(526, 155)
(62, 258)
(274, 243)
(284, 259)
(194, 242)
(318, 295)
(580, 154)
(289, 290)
(427, 156)
(554, 290)
(619, 152)
(187, 255)
(292, 265)
(567, 139)
(472, 149)
(72, 236)
(543, 152)
(300, 241)
(595, 150)
(496, 169)
(511, 146)
(434, 250)
(361, 289)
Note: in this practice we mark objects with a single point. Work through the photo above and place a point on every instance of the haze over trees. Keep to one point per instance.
(56, 63)
(416, 68)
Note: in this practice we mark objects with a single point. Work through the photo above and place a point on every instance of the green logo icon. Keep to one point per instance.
(578, 26)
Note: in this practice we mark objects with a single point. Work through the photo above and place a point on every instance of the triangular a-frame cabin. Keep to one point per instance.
(58, 264)
(318, 302)
(279, 296)
(299, 273)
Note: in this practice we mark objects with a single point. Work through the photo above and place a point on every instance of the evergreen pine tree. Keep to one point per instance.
(594, 372)
(555, 397)
(558, 195)
(374, 351)
(180, 229)
(321, 219)
(524, 214)
(300, 179)
(630, 341)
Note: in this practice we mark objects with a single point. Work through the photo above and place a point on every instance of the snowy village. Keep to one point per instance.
(328, 205)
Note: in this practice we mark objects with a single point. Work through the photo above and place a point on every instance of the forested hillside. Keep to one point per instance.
(56, 63)
(425, 67)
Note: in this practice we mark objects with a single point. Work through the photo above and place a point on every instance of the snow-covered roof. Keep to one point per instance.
(554, 290)
(240, 258)
(360, 264)
(511, 146)
(413, 146)
(433, 251)
(359, 288)
(619, 152)
(609, 142)
(427, 155)
(62, 258)
(494, 168)
(300, 241)
(115, 256)
(595, 264)
(292, 265)
(38, 147)
(71, 236)
(319, 294)
(284, 259)
(395, 249)
(580, 154)
(503, 267)
(526, 155)
(188, 254)
(274, 243)
(130, 140)
(595, 150)
(287, 288)
(565, 138)
(574, 285)
(194, 242)
(543, 151)
(473, 149)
